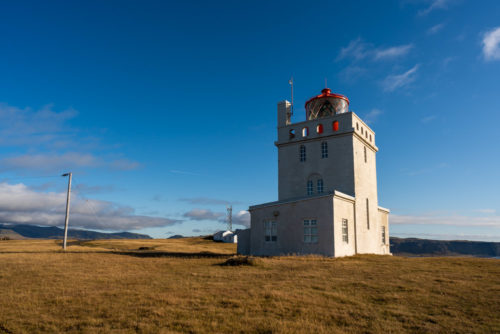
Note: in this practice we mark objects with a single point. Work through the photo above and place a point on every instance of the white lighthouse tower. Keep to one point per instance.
(327, 187)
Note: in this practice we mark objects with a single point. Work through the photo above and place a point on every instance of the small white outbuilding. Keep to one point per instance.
(226, 236)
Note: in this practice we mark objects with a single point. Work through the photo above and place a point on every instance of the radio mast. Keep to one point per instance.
(230, 218)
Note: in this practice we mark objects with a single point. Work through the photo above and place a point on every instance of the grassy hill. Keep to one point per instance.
(181, 285)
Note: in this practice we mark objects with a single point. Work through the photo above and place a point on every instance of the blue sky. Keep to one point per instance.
(166, 111)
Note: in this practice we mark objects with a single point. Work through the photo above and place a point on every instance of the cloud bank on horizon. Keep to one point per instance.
(21, 205)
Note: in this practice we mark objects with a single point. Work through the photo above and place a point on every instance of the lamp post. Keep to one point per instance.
(67, 209)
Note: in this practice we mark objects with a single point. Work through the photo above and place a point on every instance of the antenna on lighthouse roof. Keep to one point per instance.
(291, 84)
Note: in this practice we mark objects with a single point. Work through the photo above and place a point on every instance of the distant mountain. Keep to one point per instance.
(10, 235)
(31, 231)
(425, 247)
(177, 236)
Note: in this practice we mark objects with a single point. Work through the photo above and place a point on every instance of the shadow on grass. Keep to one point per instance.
(132, 253)
(141, 251)
(240, 260)
(173, 254)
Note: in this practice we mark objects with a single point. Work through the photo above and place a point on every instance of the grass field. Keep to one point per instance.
(180, 286)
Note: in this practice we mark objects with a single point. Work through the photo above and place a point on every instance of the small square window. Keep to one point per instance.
(324, 150)
(302, 153)
(310, 231)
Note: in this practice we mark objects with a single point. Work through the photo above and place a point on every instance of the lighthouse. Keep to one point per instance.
(327, 186)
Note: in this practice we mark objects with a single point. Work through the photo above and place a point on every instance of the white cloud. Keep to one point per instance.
(239, 218)
(392, 52)
(203, 214)
(454, 220)
(485, 210)
(27, 127)
(491, 44)
(435, 29)
(372, 116)
(356, 49)
(52, 143)
(393, 82)
(82, 188)
(63, 162)
(435, 4)
(206, 201)
(50, 161)
(22, 205)
(242, 218)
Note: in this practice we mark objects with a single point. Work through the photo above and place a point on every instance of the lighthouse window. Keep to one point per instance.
(366, 160)
(345, 231)
(324, 150)
(305, 132)
(326, 110)
(270, 231)
(335, 126)
(383, 235)
(292, 133)
(370, 138)
(320, 186)
(310, 231)
(302, 153)
(309, 187)
(319, 128)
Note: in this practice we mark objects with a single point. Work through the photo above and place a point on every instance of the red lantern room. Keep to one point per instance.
(326, 104)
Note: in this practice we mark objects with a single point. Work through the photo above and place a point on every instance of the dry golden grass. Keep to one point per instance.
(110, 286)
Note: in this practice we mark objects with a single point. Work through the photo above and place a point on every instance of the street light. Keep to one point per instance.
(67, 209)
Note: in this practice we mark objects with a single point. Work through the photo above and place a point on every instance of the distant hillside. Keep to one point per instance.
(177, 236)
(31, 231)
(425, 247)
(10, 235)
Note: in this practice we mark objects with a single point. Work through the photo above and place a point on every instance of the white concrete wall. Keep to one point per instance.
(243, 247)
(384, 221)
(336, 170)
(290, 227)
(344, 209)
(365, 176)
